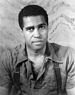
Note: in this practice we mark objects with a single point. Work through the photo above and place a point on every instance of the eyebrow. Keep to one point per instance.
(29, 27)
(43, 24)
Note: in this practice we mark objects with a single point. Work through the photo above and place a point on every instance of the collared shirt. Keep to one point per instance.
(43, 83)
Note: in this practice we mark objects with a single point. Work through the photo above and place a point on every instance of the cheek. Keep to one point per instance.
(45, 35)
(28, 38)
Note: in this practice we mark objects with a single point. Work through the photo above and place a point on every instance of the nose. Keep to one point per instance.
(36, 33)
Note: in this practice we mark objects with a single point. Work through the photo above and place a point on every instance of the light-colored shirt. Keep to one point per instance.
(43, 83)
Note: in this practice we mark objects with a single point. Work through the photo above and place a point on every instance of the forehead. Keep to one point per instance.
(33, 20)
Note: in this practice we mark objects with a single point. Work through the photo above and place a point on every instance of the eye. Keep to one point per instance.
(30, 29)
(42, 27)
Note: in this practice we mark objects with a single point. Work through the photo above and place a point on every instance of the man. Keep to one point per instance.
(40, 68)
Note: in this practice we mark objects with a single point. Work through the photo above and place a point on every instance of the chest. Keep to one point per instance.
(44, 83)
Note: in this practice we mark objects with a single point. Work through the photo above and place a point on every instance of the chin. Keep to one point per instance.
(37, 48)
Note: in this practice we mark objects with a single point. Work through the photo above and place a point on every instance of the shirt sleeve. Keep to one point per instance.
(5, 67)
(70, 69)
(8, 59)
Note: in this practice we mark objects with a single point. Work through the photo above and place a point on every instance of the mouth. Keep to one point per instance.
(37, 42)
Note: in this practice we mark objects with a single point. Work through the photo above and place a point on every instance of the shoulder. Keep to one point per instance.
(11, 55)
(63, 51)
(65, 55)
(58, 47)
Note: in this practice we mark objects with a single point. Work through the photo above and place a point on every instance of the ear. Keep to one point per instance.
(22, 32)
(47, 28)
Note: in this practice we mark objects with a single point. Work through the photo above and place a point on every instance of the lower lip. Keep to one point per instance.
(37, 42)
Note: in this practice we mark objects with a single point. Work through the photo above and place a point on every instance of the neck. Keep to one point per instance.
(35, 53)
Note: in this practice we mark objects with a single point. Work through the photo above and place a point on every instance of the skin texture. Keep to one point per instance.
(35, 32)
(36, 36)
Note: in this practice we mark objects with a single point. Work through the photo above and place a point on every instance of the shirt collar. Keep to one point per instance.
(49, 54)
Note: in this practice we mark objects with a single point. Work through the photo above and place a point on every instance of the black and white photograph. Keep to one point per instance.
(37, 47)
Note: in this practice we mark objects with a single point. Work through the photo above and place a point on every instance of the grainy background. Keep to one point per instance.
(61, 21)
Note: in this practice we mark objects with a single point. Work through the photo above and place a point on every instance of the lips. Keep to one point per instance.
(37, 42)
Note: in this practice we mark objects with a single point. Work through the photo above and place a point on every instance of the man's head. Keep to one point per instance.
(33, 21)
(31, 10)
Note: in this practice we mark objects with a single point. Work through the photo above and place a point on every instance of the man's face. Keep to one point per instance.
(35, 31)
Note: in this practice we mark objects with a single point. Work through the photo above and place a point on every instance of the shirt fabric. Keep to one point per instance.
(43, 83)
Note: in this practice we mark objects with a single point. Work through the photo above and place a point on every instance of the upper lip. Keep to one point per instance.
(37, 41)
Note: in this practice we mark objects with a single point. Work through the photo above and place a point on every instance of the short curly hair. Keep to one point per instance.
(31, 10)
